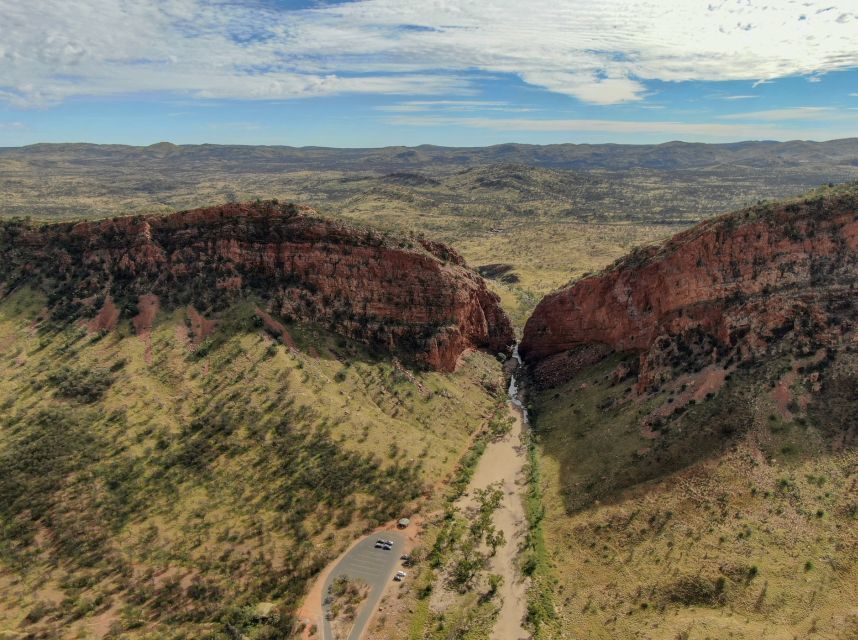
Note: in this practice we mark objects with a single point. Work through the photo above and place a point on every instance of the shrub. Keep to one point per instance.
(84, 385)
(691, 590)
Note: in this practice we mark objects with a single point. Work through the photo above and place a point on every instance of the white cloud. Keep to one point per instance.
(599, 52)
(62, 49)
(793, 113)
(748, 97)
(588, 87)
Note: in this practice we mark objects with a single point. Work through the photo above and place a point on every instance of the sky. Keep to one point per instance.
(370, 73)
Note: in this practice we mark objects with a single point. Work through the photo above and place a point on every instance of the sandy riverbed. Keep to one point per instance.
(503, 462)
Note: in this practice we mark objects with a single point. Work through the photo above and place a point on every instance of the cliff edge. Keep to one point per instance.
(405, 295)
(723, 291)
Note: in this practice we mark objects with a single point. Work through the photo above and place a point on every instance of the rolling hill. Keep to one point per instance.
(696, 432)
(192, 427)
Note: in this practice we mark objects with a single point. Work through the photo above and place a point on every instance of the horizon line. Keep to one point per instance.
(435, 146)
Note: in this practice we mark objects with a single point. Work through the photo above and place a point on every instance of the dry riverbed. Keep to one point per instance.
(503, 463)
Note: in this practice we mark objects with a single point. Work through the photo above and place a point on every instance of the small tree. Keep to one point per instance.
(495, 538)
(495, 582)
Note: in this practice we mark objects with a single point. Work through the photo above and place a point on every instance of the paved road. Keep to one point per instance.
(375, 567)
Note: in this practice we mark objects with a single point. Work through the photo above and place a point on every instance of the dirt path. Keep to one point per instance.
(503, 462)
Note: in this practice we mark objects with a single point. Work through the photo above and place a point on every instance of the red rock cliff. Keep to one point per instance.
(415, 298)
(732, 284)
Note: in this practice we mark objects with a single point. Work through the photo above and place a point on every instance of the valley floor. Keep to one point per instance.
(503, 464)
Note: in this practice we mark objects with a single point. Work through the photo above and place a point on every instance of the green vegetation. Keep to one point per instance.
(346, 597)
(451, 575)
(82, 384)
(155, 488)
(462, 549)
(536, 563)
(469, 560)
(725, 518)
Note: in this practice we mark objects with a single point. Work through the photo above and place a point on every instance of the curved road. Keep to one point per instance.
(374, 566)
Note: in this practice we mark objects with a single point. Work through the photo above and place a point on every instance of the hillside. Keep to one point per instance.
(723, 290)
(181, 459)
(697, 436)
(409, 297)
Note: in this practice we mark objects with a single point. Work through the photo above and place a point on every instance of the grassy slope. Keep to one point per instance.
(197, 487)
(733, 523)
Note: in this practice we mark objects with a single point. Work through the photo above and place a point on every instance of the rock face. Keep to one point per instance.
(410, 297)
(725, 289)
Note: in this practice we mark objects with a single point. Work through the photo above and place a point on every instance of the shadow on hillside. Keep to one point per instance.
(593, 429)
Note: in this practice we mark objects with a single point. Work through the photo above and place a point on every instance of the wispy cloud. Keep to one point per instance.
(419, 106)
(599, 52)
(793, 113)
(740, 97)
(675, 128)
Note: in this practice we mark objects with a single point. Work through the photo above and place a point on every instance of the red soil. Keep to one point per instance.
(147, 307)
(107, 317)
(201, 328)
(276, 327)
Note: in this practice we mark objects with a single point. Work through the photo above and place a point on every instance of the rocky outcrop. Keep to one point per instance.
(725, 289)
(407, 296)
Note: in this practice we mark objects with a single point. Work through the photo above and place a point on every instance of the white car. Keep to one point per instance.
(400, 576)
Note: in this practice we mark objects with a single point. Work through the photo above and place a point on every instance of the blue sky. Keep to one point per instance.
(451, 72)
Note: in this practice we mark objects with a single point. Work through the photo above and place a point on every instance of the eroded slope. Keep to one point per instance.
(406, 296)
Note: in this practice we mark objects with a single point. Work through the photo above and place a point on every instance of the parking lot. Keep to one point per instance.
(372, 565)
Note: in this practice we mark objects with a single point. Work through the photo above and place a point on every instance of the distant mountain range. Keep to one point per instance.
(667, 156)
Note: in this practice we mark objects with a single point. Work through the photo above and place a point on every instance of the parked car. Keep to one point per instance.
(400, 576)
